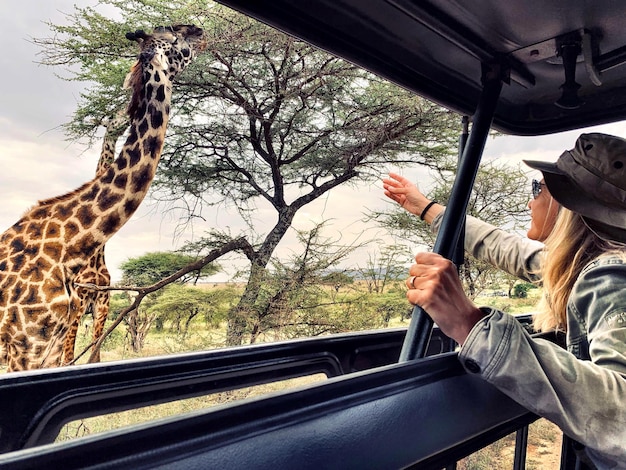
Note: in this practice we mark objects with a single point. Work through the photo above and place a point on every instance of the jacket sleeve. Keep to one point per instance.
(584, 398)
(512, 253)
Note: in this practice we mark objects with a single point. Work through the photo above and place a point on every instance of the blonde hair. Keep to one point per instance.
(569, 248)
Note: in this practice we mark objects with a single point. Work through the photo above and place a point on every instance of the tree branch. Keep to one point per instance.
(238, 244)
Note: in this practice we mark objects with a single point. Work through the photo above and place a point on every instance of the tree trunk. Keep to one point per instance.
(138, 328)
(190, 317)
(133, 330)
(239, 315)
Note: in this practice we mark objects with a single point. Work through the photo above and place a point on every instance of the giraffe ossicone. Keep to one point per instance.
(42, 254)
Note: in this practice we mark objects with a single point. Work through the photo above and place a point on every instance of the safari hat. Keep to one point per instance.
(590, 180)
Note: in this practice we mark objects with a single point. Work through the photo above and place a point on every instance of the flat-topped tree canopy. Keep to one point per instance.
(565, 59)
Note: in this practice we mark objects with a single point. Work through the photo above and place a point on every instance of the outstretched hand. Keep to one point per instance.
(404, 192)
(435, 286)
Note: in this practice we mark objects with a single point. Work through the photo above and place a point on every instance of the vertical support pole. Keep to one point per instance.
(459, 252)
(420, 328)
(521, 444)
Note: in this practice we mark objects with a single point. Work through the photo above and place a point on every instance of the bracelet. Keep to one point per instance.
(428, 206)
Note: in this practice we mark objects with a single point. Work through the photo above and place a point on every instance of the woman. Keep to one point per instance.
(583, 389)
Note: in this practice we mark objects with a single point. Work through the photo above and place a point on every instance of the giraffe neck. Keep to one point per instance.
(95, 270)
(115, 194)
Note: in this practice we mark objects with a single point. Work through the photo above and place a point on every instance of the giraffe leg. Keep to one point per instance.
(91, 301)
(83, 299)
(52, 355)
(101, 312)
(70, 341)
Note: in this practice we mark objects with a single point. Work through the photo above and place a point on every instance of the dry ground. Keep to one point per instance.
(543, 452)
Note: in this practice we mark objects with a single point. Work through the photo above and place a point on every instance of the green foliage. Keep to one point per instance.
(388, 266)
(499, 196)
(391, 305)
(151, 267)
(337, 279)
(91, 47)
(117, 303)
(266, 100)
(179, 304)
(114, 340)
(520, 291)
(147, 270)
(292, 298)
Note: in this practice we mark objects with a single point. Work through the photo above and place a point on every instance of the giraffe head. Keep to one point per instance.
(163, 54)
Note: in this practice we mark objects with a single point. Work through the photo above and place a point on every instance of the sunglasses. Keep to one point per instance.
(537, 185)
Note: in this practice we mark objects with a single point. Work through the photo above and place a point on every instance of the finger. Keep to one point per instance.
(398, 177)
(422, 293)
(395, 197)
(430, 268)
(399, 190)
(410, 282)
(429, 258)
(390, 184)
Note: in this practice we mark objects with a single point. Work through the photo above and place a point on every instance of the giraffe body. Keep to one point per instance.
(42, 254)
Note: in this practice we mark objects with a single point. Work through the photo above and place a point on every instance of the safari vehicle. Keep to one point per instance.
(393, 398)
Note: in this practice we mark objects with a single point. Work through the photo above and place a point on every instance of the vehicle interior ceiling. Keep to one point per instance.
(527, 68)
(563, 59)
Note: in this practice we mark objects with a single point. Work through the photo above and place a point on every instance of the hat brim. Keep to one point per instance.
(547, 167)
(571, 196)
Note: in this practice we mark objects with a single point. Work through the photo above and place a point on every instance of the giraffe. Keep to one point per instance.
(43, 252)
(95, 271)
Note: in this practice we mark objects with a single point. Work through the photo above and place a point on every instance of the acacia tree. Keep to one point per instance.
(148, 269)
(153, 266)
(276, 122)
(390, 266)
(293, 301)
(180, 304)
(499, 197)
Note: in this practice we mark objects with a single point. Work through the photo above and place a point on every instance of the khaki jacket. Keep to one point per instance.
(581, 389)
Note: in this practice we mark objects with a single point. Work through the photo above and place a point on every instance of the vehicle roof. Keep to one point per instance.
(436, 49)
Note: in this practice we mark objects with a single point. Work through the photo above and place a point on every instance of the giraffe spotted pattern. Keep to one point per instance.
(43, 253)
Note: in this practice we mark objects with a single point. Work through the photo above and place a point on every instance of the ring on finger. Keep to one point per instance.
(412, 281)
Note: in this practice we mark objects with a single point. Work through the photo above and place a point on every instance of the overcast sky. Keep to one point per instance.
(37, 161)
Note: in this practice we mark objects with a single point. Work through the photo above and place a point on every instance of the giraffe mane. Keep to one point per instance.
(134, 82)
(63, 197)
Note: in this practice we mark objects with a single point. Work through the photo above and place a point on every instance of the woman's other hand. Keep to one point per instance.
(435, 286)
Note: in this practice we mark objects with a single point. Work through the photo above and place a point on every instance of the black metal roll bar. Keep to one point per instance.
(416, 341)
